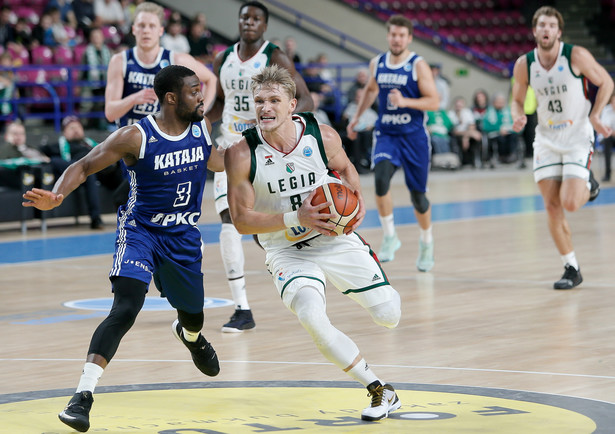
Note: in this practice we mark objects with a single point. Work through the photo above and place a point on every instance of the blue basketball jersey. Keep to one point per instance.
(137, 76)
(167, 182)
(403, 76)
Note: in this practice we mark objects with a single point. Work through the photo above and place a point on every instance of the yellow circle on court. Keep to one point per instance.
(298, 409)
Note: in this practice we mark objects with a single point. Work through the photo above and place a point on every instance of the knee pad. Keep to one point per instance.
(232, 251)
(419, 201)
(383, 172)
(128, 299)
(191, 321)
(387, 314)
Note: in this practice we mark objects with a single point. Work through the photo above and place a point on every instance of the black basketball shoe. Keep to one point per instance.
(594, 191)
(571, 278)
(240, 321)
(77, 413)
(203, 354)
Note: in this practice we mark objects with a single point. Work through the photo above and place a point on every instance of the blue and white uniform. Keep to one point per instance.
(137, 76)
(400, 135)
(157, 233)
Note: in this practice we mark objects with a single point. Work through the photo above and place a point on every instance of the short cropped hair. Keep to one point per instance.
(259, 5)
(275, 75)
(152, 8)
(401, 21)
(548, 11)
(170, 79)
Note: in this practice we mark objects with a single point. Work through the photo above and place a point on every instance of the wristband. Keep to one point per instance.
(291, 219)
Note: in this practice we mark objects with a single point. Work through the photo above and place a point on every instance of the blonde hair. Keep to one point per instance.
(151, 8)
(274, 75)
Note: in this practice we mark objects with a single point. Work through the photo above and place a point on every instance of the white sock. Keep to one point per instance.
(238, 290)
(190, 336)
(363, 373)
(570, 259)
(388, 225)
(426, 235)
(90, 376)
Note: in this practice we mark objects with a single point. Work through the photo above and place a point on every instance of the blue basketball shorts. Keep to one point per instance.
(173, 261)
(411, 152)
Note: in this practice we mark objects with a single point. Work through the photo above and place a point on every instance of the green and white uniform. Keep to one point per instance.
(238, 113)
(281, 182)
(564, 136)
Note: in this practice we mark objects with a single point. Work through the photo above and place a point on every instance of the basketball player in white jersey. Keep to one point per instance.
(234, 105)
(563, 146)
(272, 174)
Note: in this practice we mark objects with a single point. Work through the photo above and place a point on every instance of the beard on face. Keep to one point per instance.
(188, 114)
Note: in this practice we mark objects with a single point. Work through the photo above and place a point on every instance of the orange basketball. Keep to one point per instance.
(345, 205)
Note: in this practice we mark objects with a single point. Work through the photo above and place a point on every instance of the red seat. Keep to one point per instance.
(42, 55)
(63, 55)
(79, 52)
(20, 56)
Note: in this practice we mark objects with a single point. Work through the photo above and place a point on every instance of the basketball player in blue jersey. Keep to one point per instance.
(564, 141)
(273, 173)
(129, 96)
(405, 87)
(167, 156)
(235, 106)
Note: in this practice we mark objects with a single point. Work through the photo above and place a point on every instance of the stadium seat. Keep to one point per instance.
(42, 55)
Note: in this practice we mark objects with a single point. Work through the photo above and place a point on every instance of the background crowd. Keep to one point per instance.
(476, 133)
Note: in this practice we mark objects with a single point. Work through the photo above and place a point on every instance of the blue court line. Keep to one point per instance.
(98, 244)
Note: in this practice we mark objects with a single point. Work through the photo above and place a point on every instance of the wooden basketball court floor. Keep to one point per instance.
(485, 316)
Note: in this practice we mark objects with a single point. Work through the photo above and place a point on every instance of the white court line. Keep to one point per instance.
(264, 362)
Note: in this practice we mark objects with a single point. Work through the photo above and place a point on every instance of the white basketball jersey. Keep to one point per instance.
(235, 78)
(563, 105)
(282, 181)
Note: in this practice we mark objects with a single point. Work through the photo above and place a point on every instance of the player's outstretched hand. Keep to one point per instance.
(310, 216)
(42, 199)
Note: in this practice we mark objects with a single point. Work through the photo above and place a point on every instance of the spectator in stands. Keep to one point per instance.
(467, 138)
(497, 125)
(96, 56)
(84, 14)
(359, 82)
(480, 102)
(608, 119)
(71, 146)
(6, 26)
(321, 116)
(42, 33)
(65, 7)
(7, 83)
(174, 38)
(56, 34)
(322, 61)
(21, 165)
(315, 83)
(290, 46)
(109, 13)
(22, 34)
(442, 86)
(200, 44)
(440, 127)
(359, 150)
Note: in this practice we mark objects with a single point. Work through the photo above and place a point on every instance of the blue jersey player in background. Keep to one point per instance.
(405, 86)
(167, 157)
(129, 95)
